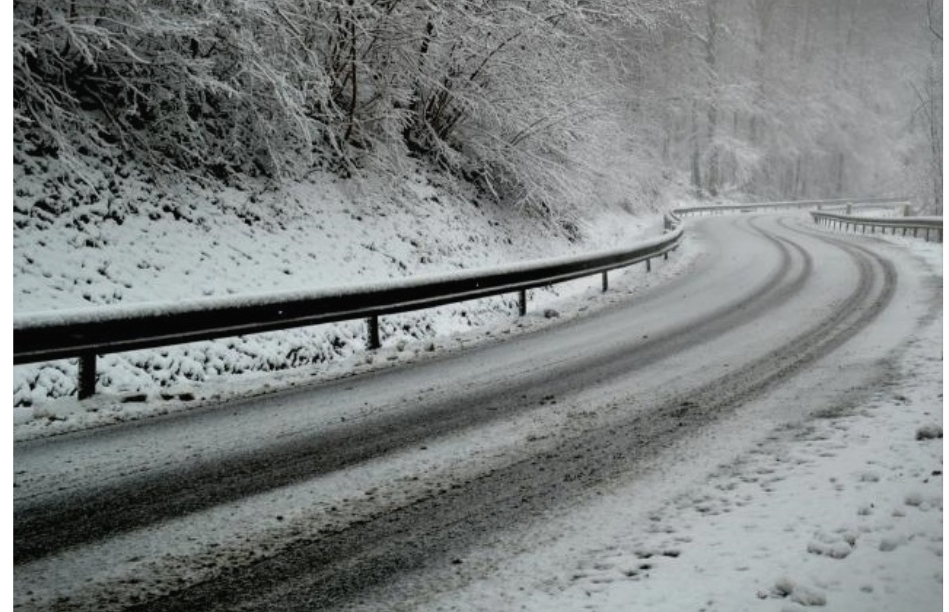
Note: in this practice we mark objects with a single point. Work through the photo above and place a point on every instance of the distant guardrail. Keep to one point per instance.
(91, 332)
(926, 226)
(797, 204)
(674, 217)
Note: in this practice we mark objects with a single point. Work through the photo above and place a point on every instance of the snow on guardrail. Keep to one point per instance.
(927, 226)
(89, 332)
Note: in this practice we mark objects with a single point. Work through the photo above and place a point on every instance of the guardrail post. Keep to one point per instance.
(648, 265)
(849, 208)
(522, 302)
(606, 282)
(372, 325)
(907, 210)
(87, 375)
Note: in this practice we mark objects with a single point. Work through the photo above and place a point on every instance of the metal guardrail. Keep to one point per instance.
(91, 332)
(799, 204)
(925, 225)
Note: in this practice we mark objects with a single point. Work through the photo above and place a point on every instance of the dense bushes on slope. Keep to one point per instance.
(495, 91)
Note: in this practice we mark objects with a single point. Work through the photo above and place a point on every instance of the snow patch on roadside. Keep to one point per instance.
(119, 237)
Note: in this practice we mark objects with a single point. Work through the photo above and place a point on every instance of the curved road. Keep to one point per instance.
(317, 498)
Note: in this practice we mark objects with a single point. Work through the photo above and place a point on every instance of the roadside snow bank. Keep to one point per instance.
(115, 236)
(843, 512)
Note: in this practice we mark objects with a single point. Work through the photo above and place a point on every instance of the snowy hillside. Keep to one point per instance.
(294, 144)
(149, 242)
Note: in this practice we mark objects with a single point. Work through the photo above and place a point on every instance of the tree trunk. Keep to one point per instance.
(696, 152)
(712, 177)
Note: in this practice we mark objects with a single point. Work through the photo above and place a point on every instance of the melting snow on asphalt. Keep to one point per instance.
(842, 511)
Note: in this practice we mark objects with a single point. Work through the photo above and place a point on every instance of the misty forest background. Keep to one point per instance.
(551, 105)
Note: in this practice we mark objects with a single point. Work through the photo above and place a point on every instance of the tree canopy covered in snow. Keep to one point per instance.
(538, 103)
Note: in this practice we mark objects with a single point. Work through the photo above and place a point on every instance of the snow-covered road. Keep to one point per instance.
(411, 486)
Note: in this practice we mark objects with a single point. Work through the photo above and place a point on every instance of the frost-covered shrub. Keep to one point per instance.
(497, 92)
(191, 85)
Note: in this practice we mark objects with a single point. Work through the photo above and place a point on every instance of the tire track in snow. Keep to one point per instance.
(53, 525)
(330, 570)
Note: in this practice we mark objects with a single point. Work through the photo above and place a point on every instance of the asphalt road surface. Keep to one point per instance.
(319, 498)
